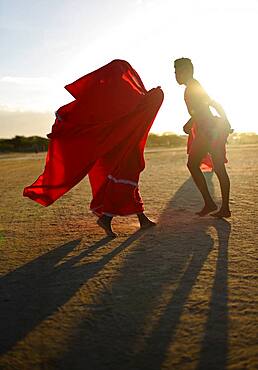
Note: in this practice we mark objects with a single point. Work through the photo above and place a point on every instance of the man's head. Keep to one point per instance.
(183, 70)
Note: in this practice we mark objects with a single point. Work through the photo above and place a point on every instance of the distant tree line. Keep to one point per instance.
(24, 144)
(169, 140)
(243, 138)
(39, 144)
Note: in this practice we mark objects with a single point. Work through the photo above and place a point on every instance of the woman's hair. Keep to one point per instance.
(184, 63)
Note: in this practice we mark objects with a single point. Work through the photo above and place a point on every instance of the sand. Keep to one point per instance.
(182, 295)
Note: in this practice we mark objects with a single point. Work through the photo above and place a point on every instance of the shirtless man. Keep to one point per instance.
(211, 134)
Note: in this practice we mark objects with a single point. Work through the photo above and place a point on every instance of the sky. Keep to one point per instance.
(46, 44)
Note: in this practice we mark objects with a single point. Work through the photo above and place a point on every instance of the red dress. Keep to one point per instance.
(101, 133)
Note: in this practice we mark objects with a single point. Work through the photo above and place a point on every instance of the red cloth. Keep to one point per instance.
(219, 140)
(101, 133)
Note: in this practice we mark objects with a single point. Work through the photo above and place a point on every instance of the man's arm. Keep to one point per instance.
(199, 104)
(218, 108)
(222, 113)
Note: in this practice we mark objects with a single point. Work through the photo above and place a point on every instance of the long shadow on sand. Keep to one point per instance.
(134, 325)
(144, 310)
(36, 290)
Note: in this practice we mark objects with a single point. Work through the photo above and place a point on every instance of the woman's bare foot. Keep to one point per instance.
(222, 213)
(208, 208)
(105, 223)
(145, 222)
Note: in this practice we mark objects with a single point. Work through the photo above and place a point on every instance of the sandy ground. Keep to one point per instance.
(182, 295)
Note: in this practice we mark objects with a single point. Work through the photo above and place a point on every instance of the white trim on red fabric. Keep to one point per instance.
(115, 215)
(112, 214)
(122, 181)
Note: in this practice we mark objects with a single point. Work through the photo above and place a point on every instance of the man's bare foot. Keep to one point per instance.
(222, 213)
(105, 224)
(206, 210)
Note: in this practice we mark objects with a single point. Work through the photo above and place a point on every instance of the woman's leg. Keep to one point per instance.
(105, 222)
(145, 222)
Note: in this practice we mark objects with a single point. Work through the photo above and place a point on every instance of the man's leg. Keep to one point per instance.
(198, 150)
(220, 170)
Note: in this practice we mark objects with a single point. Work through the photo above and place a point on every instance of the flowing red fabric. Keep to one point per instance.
(220, 140)
(206, 163)
(101, 133)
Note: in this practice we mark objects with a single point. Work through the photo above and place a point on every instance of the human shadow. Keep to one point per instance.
(148, 297)
(31, 293)
(214, 350)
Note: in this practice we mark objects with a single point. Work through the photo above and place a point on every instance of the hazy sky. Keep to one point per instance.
(46, 44)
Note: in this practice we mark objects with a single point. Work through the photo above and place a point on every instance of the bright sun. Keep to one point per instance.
(237, 97)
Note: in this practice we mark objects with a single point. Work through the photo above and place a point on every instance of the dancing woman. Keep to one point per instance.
(102, 134)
